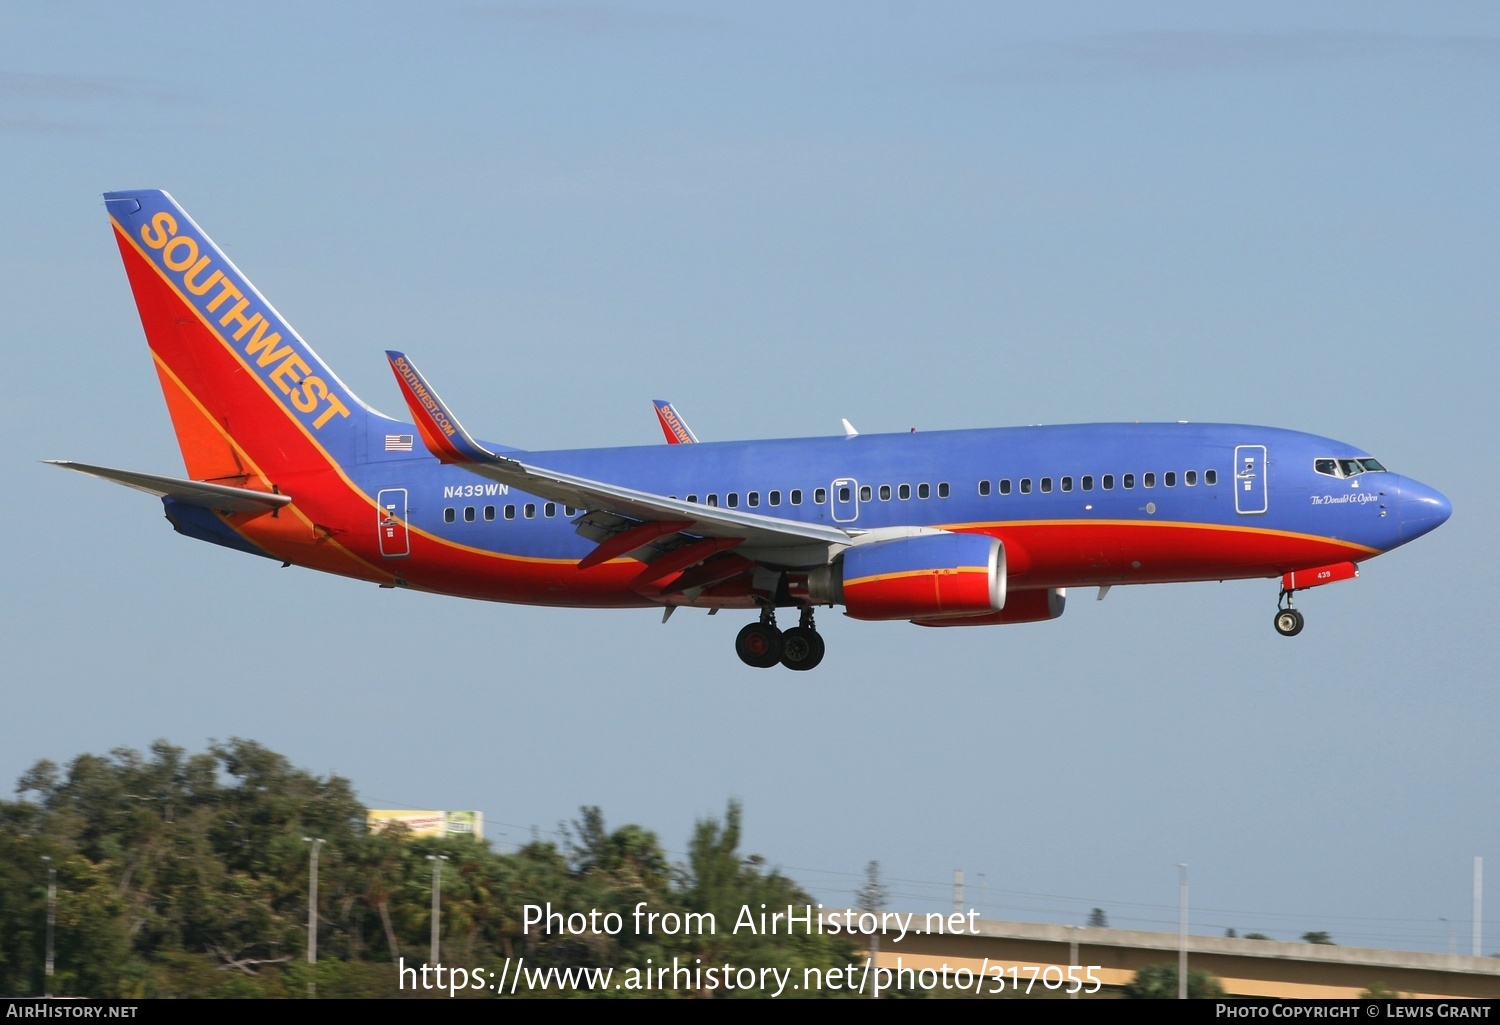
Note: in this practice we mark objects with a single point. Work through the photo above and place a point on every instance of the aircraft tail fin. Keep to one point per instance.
(249, 399)
(672, 424)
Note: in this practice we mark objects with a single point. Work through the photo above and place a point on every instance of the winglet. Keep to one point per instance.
(672, 424)
(441, 432)
(849, 431)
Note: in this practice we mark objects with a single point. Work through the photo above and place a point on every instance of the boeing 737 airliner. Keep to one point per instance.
(944, 528)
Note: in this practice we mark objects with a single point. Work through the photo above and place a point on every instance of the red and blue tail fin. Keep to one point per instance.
(672, 424)
(250, 401)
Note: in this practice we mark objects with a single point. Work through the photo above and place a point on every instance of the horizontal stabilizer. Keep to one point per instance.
(189, 492)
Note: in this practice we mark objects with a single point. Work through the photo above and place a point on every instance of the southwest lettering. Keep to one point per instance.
(265, 345)
(178, 244)
(228, 290)
(334, 406)
(165, 225)
(197, 268)
(290, 372)
(312, 392)
(292, 367)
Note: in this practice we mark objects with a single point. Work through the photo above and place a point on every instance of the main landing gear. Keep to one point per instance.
(762, 645)
(1289, 621)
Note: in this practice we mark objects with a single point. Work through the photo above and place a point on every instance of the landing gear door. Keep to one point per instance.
(1250, 479)
(844, 500)
(390, 523)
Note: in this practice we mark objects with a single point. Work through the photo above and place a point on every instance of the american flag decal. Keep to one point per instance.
(398, 442)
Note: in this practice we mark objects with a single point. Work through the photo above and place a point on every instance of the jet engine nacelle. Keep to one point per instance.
(1020, 607)
(911, 577)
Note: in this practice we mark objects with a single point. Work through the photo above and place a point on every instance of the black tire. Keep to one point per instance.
(801, 649)
(758, 645)
(1289, 622)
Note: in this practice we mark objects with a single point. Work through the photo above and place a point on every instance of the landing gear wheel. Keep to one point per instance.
(801, 648)
(1289, 622)
(759, 645)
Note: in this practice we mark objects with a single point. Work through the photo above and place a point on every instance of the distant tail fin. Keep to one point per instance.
(248, 398)
(673, 426)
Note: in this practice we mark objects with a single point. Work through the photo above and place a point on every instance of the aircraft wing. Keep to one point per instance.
(447, 439)
(189, 492)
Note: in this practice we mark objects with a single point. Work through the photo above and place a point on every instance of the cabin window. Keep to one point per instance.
(568, 510)
(820, 496)
(924, 491)
(1128, 481)
(774, 498)
(1088, 483)
(449, 515)
(732, 500)
(885, 492)
(1148, 480)
(864, 493)
(796, 496)
(468, 514)
(1067, 483)
(753, 499)
(984, 487)
(1025, 485)
(904, 492)
(1190, 478)
(1169, 479)
(943, 490)
(1108, 483)
(550, 509)
(693, 499)
(1210, 477)
(1046, 485)
(529, 510)
(1005, 487)
(489, 512)
(712, 500)
(844, 494)
(510, 512)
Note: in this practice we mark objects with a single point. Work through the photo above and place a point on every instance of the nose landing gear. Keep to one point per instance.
(762, 645)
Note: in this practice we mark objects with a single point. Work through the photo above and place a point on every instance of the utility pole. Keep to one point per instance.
(51, 919)
(1182, 905)
(437, 896)
(1478, 901)
(312, 909)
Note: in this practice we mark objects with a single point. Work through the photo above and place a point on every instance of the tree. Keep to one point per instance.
(1159, 982)
(1318, 937)
(1098, 919)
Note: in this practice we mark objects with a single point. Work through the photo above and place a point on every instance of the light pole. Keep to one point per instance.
(51, 918)
(1182, 897)
(312, 906)
(437, 896)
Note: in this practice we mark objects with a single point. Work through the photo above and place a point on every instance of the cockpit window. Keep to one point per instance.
(1347, 467)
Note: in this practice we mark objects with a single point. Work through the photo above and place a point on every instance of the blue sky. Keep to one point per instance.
(777, 215)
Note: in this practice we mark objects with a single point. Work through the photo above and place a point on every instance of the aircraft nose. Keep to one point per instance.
(1422, 509)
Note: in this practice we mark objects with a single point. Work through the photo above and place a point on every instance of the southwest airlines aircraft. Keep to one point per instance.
(947, 528)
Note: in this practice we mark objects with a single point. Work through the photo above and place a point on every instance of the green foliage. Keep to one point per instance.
(1318, 937)
(1159, 982)
(187, 876)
